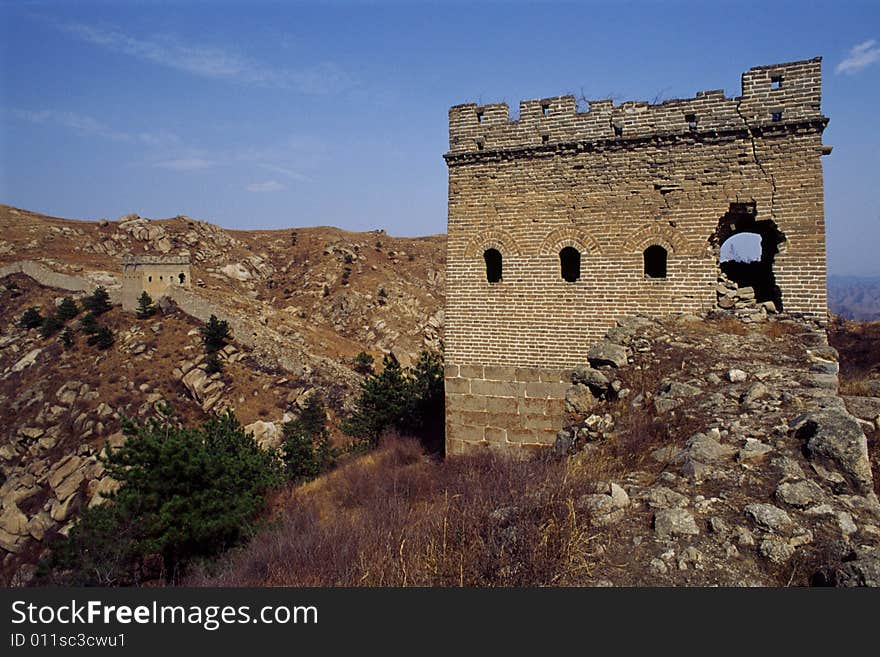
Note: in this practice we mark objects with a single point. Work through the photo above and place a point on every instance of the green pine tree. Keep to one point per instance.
(67, 337)
(50, 326)
(31, 318)
(215, 334)
(184, 493)
(305, 448)
(89, 324)
(98, 302)
(103, 338)
(146, 308)
(67, 309)
(383, 400)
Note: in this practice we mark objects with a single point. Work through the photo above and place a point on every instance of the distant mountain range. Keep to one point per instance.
(855, 297)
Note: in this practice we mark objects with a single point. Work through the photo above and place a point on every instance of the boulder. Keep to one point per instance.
(236, 271)
(705, 449)
(665, 498)
(579, 399)
(266, 434)
(591, 377)
(755, 391)
(27, 360)
(770, 518)
(799, 494)
(736, 376)
(834, 439)
(669, 523)
(607, 353)
(864, 408)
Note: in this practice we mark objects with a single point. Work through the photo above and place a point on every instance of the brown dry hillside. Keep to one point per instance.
(298, 285)
(316, 296)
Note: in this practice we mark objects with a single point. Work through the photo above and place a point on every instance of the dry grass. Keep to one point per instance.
(396, 518)
(777, 330)
(729, 325)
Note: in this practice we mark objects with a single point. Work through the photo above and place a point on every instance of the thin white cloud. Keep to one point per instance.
(268, 186)
(284, 171)
(88, 126)
(860, 55)
(185, 164)
(209, 61)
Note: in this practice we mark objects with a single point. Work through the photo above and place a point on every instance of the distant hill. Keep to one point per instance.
(854, 297)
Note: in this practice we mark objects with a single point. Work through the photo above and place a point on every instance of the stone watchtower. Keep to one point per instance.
(561, 221)
(153, 275)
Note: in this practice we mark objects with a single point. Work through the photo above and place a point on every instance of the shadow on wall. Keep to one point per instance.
(746, 249)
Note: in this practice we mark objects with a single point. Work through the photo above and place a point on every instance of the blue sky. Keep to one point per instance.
(270, 114)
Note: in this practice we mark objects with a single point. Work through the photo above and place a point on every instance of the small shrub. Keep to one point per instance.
(363, 363)
(67, 337)
(213, 364)
(293, 238)
(67, 309)
(215, 334)
(89, 325)
(146, 308)
(98, 302)
(103, 338)
(31, 318)
(50, 326)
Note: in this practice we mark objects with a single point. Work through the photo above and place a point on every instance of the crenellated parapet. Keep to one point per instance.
(155, 260)
(775, 99)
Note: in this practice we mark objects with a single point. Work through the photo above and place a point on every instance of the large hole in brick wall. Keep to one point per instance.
(570, 264)
(746, 248)
(493, 265)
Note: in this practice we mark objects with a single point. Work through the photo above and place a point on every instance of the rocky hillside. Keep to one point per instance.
(326, 292)
(699, 451)
(312, 299)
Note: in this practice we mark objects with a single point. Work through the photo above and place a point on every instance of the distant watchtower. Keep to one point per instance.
(153, 275)
(563, 220)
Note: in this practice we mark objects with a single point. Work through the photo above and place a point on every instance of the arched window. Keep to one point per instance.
(655, 261)
(570, 264)
(181, 278)
(150, 278)
(493, 265)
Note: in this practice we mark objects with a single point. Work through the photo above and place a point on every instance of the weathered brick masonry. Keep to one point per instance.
(610, 182)
(154, 275)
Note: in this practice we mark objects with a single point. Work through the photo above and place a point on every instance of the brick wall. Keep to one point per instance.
(610, 182)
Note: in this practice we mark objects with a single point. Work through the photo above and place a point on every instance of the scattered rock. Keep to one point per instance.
(833, 438)
(799, 494)
(736, 376)
(770, 517)
(669, 523)
(607, 353)
(579, 399)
